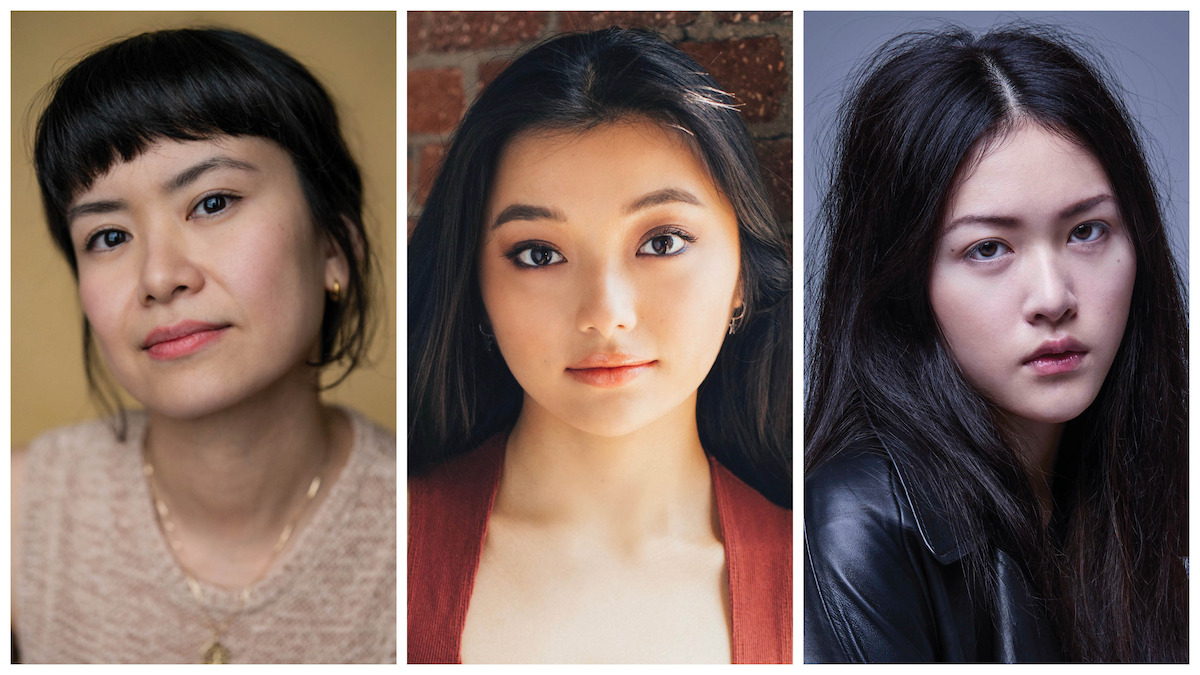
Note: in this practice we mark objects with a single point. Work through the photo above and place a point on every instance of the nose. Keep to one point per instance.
(1050, 294)
(167, 268)
(608, 302)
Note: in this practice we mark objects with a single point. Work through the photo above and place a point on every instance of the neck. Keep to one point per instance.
(651, 482)
(239, 475)
(1039, 446)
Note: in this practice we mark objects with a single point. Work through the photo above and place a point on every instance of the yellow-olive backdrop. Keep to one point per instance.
(352, 53)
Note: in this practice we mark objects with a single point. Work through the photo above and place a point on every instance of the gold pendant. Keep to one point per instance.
(216, 653)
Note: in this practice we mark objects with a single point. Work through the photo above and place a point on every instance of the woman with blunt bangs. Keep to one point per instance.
(198, 185)
(996, 420)
(599, 391)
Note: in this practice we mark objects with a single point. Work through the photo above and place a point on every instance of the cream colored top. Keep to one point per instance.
(98, 583)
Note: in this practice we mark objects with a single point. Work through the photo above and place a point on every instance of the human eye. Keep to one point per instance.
(1089, 232)
(214, 203)
(666, 242)
(534, 254)
(987, 250)
(105, 239)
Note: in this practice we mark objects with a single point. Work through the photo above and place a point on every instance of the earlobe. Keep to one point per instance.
(337, 269)
(738, 314)
(735, 321)
(337, 265)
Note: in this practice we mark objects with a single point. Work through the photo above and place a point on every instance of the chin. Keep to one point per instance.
(611, 418)
(192, 407)
(199, 398)
(606, 426)
(1058, 411)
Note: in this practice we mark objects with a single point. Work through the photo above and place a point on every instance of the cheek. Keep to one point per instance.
(274, 268)
(976, 319)
(1114, 284)
(525, 309)
(694, 300)
(965, 309)
(1110, 293)
(103, 296)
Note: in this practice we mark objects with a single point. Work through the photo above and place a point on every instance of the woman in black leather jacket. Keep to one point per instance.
(996, 421)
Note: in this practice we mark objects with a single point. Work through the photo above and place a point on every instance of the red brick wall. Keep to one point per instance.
(451, 55)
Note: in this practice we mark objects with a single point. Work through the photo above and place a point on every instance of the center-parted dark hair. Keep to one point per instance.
(1110, 564)
(197, 84)
(459, 393)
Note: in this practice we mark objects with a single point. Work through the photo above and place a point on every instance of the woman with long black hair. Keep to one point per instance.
(996, 416)
(599, 356)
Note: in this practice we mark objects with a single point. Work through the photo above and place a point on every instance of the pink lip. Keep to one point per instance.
(186, 337)
(1053, 357)
(606, 371)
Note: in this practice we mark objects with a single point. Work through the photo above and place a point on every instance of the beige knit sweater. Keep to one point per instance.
(97, 582)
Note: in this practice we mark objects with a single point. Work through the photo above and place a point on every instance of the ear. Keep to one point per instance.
(337, 265)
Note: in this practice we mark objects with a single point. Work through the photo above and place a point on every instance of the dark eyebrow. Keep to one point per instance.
(529, 212)
(1084, 206)
(190, 174)
(664, 196)
(1081, 206)
(526, 212)
(88, 208)
(178, 182)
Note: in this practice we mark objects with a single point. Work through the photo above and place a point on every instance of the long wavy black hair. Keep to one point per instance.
(194, 84)
(1111, 561)
(459, 394)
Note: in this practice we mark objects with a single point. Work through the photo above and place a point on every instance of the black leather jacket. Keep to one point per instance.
(883, 582)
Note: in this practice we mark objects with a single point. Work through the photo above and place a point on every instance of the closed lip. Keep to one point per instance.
(1057, 347)
(603, 360)
(179, 330)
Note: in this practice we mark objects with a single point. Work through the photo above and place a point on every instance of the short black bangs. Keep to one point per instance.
(188, 84)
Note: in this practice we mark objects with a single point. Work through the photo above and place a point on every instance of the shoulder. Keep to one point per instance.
(879, 584)
(88, 448)
(378, 441)
(746, 504)
(856, 515)
(863, 485)
(99, 433)
(454, 497)
(372, 466)
(855, 489)
(477, 468)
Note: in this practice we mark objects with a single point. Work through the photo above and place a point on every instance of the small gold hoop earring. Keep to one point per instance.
(336, 293)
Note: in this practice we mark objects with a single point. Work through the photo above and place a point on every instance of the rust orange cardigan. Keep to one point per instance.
(447, 521)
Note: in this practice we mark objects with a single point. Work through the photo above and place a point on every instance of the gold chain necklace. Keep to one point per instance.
(217, 652)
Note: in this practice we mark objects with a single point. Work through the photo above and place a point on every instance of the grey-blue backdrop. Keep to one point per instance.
(1146, 54)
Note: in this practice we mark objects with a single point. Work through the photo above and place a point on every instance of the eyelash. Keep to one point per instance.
(230, 201)
(1104, 229)
(90, 243)
(516, 253)
(668, 231)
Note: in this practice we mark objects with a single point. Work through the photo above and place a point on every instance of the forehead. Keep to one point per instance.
(583, 169)
(1029, 171)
